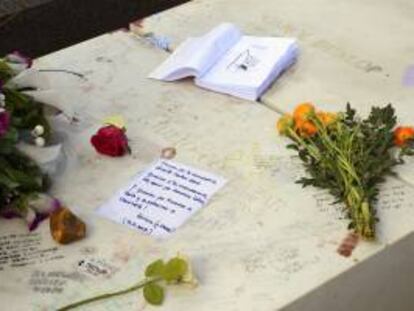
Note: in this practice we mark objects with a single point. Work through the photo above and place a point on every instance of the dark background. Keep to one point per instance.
(38, 27)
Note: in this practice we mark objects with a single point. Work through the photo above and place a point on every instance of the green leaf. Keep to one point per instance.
(293, 147)
(175, 269)
(6, 72)
(8, 182)
(153, 294)
(155, 268)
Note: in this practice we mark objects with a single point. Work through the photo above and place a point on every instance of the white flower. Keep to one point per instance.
(30, 217)
(18, 62)
(38, 130)
(40, 141)
(44, 204)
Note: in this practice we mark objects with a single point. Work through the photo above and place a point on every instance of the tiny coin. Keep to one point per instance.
(168, 153)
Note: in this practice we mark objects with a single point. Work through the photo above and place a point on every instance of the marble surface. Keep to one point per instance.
(350, 51)
(262, 242)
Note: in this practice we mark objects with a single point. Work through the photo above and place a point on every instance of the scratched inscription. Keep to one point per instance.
(52, 282)
(19, 250)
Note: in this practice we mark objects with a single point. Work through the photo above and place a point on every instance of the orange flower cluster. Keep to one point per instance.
(402, 135)
(303, 120)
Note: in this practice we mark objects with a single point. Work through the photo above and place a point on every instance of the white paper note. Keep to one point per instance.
(162, 198)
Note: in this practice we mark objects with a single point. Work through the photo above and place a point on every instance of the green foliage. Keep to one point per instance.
(6, 72)
(20, 176)
(156, 274)
(171, 272)
(26, 113)
(155, 269)
(175, 269)
(153, 294)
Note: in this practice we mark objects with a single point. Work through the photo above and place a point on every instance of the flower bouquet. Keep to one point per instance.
(23, 185)
(348, 156)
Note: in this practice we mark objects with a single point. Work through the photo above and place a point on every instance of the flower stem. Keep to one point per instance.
(109, 295)
(362, 216)
(311, 149)
(354, 196)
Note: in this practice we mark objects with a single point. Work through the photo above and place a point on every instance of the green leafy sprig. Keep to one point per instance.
(177, 270)
(349, 157)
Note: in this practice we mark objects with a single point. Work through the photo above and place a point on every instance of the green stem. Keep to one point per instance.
(342, 158)
(109, 295)
(354, 196)
(312, 151)
(361, 214)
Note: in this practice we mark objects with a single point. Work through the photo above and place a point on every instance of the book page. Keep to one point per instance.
(214, 45)
(248, 64)
(197, 55)
(178, 66)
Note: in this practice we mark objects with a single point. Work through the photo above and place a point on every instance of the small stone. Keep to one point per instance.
(66, 227)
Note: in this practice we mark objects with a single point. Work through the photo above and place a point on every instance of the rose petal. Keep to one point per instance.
(110, 140)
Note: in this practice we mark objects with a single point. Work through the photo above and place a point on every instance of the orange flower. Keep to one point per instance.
(327, 118)
(305, 128)
(403, 134)
(284, 123)
(303, 111)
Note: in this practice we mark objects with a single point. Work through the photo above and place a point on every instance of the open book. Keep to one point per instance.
(226, 61)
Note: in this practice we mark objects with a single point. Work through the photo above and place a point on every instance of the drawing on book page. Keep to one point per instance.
(244, 61)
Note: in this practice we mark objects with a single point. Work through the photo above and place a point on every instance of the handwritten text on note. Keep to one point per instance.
(162, 198)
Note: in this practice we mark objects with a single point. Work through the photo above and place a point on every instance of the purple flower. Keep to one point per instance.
(30, 217)
(36, 221)
(38, 209)
(18, 62)
(45, 204)
(4, 122)
(9, 213)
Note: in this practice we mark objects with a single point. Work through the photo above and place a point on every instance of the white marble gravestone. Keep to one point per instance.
(262, 243)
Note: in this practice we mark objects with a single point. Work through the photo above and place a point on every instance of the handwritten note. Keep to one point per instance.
(162, 198)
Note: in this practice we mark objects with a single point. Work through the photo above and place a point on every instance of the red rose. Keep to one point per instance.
(110, 140)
